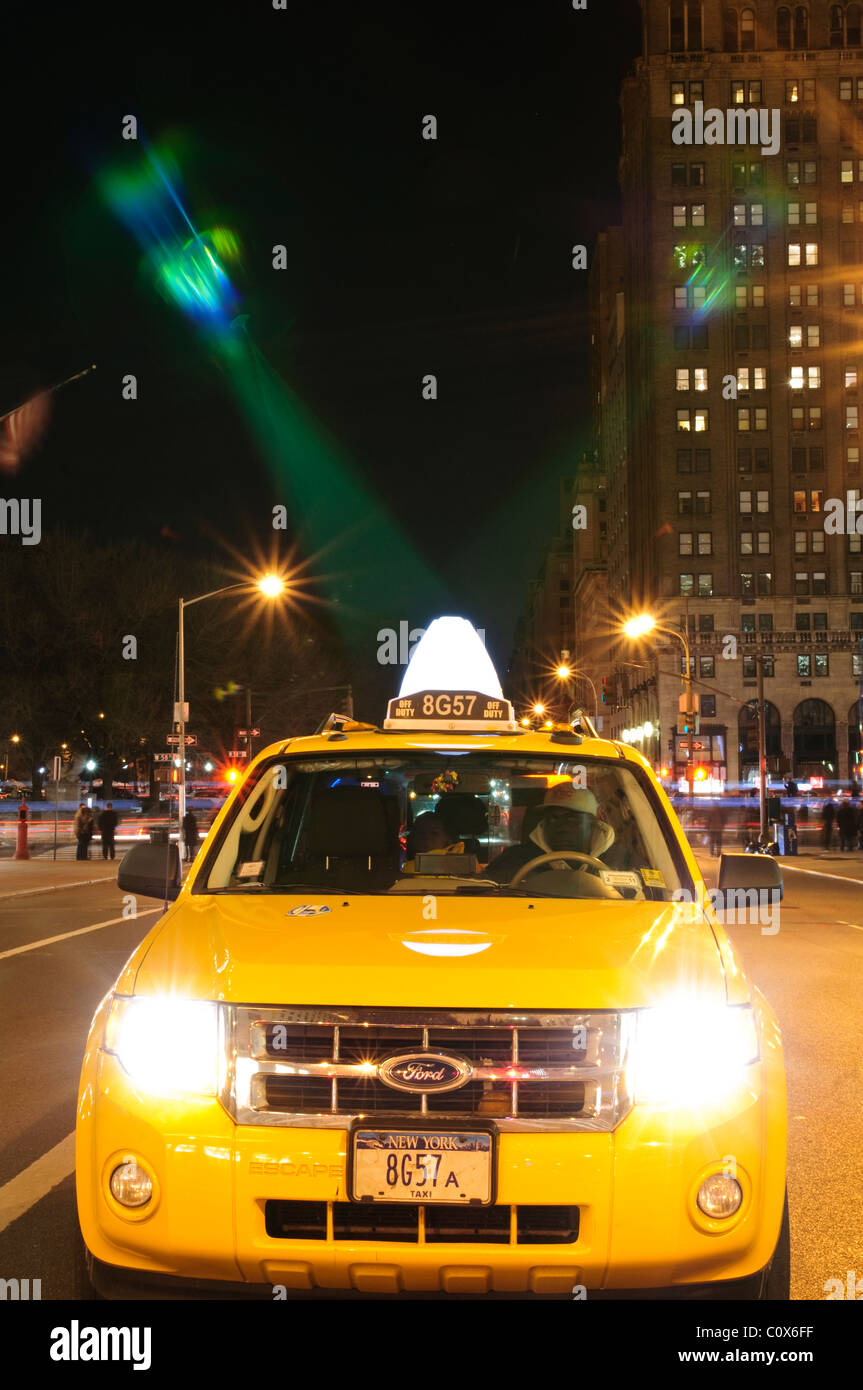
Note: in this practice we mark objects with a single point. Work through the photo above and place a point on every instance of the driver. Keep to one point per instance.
(569, 820)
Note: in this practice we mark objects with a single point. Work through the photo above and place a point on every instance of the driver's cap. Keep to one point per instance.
(571, 798)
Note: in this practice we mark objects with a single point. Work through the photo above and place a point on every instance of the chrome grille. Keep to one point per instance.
(319, 1068)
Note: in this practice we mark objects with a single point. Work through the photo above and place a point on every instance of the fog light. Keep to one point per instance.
(131, 1185)
(719, 1195)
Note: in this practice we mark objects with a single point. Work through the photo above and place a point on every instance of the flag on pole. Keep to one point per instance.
(22, 429)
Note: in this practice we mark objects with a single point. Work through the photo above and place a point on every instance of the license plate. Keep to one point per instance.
(416, 1165)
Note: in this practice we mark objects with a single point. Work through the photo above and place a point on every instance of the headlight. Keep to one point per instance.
(689, 1053)
(168, 1046)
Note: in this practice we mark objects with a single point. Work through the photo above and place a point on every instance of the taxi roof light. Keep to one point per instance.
(450, 683)
(451, 656)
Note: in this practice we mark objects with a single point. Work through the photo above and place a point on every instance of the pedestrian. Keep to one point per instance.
(828, 813)
(190, 835)
(83, 827)
(716, 827)
(846, 819)
(859, 805)
(107, 826)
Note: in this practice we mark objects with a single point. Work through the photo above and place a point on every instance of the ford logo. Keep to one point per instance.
(424, 1071)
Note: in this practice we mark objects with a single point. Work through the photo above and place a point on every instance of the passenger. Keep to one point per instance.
(569, 821)
(429, 835)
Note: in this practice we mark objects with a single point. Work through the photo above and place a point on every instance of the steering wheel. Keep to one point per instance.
(525, 869)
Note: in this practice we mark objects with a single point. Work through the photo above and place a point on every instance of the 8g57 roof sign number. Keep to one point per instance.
(467, 708)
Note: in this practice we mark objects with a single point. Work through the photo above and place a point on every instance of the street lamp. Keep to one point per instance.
(641, 626)
(270, 586)
(566, 672)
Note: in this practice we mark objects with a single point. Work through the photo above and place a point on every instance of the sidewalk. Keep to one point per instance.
(23, 876)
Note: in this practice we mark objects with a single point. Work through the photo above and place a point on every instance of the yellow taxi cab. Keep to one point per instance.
(441, 1006)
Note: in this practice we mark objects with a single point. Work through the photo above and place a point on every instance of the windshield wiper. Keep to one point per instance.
(286, 889)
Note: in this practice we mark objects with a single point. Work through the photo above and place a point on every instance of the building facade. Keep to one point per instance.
(733, 488)
(546, 628)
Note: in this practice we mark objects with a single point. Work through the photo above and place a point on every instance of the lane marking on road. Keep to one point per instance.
(28, 1187)
(58, 887)
(81, 931)
(819, 873)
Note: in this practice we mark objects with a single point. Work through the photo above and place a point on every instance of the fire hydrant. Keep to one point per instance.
(21, 850)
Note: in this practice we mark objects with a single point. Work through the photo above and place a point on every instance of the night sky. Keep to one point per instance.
(405, 257)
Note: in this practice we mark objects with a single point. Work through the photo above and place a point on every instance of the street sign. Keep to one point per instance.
(244, 733)
(237, 753)
(58, 765)
(177, 711)
(174, 740)
(162, 757)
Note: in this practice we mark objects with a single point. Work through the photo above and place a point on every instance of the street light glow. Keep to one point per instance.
(271, 585)
(639, 626)
(539, 709)
(563, 673)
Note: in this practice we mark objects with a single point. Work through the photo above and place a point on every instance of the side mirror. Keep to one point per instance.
(750, 873)
(150, 871)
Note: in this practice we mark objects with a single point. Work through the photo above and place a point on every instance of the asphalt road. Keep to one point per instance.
(810, 970)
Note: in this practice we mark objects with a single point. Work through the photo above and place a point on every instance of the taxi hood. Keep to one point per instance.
(385, 951)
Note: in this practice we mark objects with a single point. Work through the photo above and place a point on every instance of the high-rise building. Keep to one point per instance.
(545, 629)
(740, 474)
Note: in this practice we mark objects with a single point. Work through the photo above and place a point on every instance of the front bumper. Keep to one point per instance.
(111, 1282)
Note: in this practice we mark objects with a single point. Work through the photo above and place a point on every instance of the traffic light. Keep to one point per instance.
(606, 690)
(688, 718)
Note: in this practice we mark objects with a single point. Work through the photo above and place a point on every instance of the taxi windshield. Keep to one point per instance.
(447, 822)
